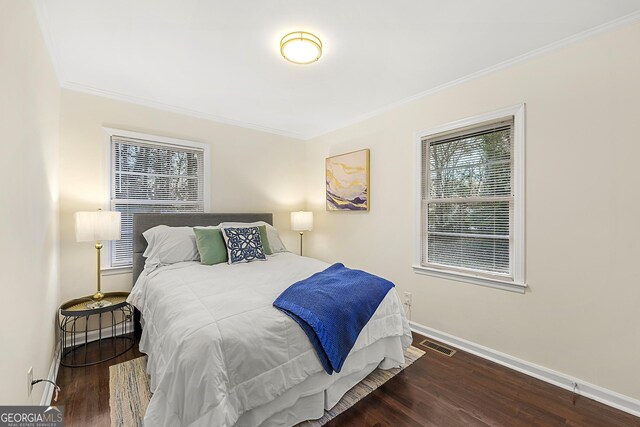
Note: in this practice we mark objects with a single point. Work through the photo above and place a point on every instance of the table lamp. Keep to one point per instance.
(301, 221)
(97, 226)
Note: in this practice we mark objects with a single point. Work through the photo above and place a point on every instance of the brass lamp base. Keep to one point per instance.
(301, 233)
(98, 301)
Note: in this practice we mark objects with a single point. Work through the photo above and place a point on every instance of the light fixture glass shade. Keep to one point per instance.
(96, 226)
(301, 221)
(301, 47)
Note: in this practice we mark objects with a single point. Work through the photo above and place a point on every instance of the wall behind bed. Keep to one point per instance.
(251, 171)
(580, 315)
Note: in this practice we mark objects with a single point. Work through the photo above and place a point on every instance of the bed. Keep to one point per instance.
(219, 353)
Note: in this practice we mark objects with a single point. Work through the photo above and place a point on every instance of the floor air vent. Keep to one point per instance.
(438, 347)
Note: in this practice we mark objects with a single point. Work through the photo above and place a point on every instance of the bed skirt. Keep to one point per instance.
(309, 399)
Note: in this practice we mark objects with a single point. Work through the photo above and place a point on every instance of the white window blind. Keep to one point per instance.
(152, 177)
(467, 200)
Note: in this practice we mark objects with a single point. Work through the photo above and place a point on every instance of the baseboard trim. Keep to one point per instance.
(49, 389)
(567, 382)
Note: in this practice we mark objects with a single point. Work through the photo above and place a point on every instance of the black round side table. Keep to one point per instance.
(83, 347)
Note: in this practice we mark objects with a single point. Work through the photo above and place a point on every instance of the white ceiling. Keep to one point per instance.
(220, 59)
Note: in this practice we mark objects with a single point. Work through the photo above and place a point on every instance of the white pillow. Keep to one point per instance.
(169, 245)
(275, 243)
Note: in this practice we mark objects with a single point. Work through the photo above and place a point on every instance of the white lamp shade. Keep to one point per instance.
(97, 225)
(301, 221)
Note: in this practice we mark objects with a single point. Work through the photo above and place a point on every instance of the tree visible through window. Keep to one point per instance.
(152, 177)
(467, 200)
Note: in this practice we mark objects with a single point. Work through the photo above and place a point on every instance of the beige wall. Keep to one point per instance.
(29, 105)
(580, 315)
(251, 171)
(582, 207)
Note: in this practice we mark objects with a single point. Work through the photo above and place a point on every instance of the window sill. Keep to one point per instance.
(475, 280)
(112, 271)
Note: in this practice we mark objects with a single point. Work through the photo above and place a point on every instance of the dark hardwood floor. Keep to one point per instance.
(463, 390)
(84, 392)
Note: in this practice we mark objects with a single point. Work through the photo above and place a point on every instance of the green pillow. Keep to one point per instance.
(262, 230)
(210, 245)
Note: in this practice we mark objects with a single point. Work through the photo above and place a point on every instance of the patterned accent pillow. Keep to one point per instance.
(243, 244)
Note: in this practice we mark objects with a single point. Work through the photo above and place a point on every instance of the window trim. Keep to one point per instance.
(108, 132)
(517, 282)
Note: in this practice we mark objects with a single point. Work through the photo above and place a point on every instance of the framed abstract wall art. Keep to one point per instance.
(347, 178)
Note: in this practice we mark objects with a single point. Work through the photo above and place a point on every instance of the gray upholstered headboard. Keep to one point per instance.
(143, 222)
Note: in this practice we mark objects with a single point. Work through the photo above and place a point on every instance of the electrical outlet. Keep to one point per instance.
(407, 299)
(29, 380)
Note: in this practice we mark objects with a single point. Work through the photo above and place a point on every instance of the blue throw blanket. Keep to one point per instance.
(332, 307)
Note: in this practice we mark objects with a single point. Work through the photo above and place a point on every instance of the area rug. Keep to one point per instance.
(129, 392)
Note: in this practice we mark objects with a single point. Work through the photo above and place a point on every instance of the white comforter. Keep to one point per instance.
(216, 345)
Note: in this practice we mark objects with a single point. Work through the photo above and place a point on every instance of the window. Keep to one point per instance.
(150, 174)
(471, 200)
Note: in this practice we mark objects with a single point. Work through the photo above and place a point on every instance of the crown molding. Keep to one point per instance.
(43, 19)
(603, 28)
(76, 87)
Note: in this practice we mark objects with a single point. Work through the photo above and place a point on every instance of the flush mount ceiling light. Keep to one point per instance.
(301, 47)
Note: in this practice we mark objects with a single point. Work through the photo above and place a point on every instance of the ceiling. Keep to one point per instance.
(220, 59)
